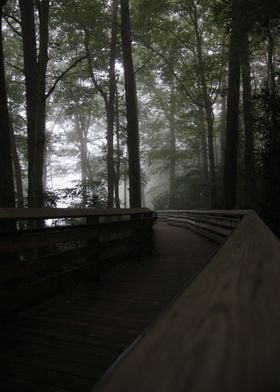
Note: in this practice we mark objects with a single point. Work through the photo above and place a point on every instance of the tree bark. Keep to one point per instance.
(223, 119)
(17, 168)
(208, 107)
(131, 109)
(111, 106)
(35, 80)
(232, 121)
(118, 154)
(7, 195)
(249, 159)
(172, 149)
(203, 143)
(271, 82)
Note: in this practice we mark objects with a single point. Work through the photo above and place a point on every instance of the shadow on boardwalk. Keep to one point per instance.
(67, 344)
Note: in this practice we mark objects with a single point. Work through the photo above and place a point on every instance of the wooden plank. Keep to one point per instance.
(215, 237)
(40, 267)
(222, 221)
(93, 324)
(238, 214)
(203, 225)
(20, 297)
(49, 213)
(221, 334)
(216, 227)
(23, 240)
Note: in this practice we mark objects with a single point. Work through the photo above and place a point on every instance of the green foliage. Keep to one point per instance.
(160, 202)
(84, 194)
(268, 157)
(166, 59)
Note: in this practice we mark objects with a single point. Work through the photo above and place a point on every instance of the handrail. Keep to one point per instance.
(49, 213)
(215, 225)
(221, 333)
(39, 263)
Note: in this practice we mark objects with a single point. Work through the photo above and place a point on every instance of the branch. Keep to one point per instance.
(12, 17)
(6, 18)
(143, 65)
(90, 65)
(51, 90)
(193, 100)
(15, 67)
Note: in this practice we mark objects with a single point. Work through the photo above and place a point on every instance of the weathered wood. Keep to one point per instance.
(212, 224)
(14, 273)
(49, 213)
(222, 333)
(44, 253)
(19, 297)
(33, 239)
(208, 229)
(51, 346)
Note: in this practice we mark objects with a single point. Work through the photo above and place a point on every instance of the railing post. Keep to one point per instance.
(146, 233)
(93, 245)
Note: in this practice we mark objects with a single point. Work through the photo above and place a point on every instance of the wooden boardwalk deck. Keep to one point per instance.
(66, 344)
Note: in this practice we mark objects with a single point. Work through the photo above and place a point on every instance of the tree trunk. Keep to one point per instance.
(118, 154)
(203, 143)
(172, 150)
(35, 80)
(249, 159)
(203, 153)
(223, 119)
(41, 98)
(271, 82)
(7, 195)
(17, 168)
(208, 107)
(231, 144)
(111, 106)
(81, 129)
(131, 109)
(30, 71)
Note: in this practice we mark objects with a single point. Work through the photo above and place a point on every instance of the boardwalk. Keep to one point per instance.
(67, 344)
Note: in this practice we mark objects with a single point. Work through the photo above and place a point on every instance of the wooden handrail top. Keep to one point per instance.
(41, 262)
(226, 213)
(221, 333)
(49, 213)
(216, 225)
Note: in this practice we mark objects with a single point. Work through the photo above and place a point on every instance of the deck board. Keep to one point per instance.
(67, 343)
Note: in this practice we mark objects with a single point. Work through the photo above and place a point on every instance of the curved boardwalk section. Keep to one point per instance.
(67, 343)
(222, 333)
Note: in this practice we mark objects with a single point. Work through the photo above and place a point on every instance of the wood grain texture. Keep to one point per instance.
(214, 225)
(67, 343)
(36, 264)
(223, 333)
(48, 213)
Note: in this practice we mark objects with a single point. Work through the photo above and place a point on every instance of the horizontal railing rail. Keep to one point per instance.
(40, 263)
(216, 225)
(222, 332)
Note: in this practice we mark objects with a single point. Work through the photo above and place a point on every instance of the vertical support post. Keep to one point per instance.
(93, 245)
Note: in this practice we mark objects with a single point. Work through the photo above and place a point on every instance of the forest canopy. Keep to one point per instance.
(165, 104)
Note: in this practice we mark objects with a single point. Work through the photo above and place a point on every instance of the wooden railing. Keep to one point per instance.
(77, 243)
(216, 225)
(223, 332)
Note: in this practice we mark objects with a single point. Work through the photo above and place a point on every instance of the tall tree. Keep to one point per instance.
(249, 159)
(172, 159)
(7, 197)
(206, 97)
(17, 168)
(232, 121)
(35, 79)
(131, 109)
(111, 106)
